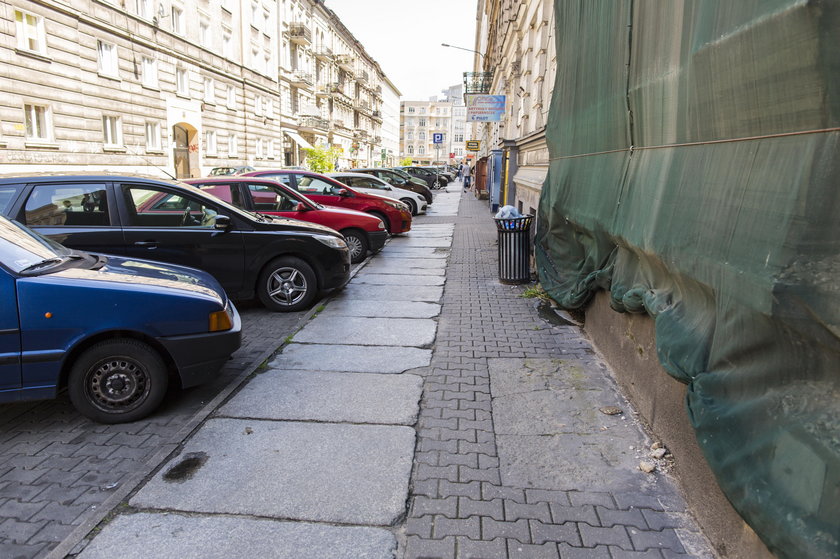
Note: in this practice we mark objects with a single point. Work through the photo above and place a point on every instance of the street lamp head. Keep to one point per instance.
(444, 45)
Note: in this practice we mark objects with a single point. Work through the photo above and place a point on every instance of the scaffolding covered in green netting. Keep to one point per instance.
(695, 174)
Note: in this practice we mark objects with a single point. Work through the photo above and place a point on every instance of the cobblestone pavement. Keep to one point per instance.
(460, 505)
(60, 471)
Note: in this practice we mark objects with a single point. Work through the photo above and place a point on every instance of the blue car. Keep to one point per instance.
(115, 332)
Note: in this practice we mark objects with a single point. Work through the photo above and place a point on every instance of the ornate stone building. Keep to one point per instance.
(182, 86)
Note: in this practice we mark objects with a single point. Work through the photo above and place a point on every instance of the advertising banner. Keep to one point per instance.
(485, 108)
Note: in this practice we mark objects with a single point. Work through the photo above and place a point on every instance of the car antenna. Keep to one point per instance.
(159, 168)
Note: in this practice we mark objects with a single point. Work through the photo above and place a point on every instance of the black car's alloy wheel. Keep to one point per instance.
(117, 381)
(287, 284)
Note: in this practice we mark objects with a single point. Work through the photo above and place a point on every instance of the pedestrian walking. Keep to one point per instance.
(467, 173)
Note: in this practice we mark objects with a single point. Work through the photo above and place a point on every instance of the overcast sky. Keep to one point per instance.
(404, 37)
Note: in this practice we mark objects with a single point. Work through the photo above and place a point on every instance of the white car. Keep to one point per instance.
(372, 185)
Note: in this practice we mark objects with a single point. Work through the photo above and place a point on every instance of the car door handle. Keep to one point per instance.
(149, 244)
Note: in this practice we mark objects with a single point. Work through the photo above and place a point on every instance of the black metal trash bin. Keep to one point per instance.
(514, 249)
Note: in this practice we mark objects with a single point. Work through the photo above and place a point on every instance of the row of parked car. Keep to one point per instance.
(118, 286)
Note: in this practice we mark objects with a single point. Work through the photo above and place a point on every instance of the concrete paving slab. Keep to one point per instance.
(421, 241)
(384, 293)
(402, 332)
(551, 434)
(159, 535)
(406, 309)
(394, 279)
(352, 359)
(399, 264)
(330, 397)
(405, 251)
(323, 472)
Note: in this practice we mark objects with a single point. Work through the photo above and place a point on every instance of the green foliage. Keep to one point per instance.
(536, 292)
(405, 162)
(321, 159)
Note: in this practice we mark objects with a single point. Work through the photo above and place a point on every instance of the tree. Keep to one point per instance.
(406, 162)
(321, 159)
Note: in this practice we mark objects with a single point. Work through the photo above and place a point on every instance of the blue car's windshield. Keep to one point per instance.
(21, 248)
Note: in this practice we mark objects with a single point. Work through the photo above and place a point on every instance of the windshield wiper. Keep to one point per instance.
(50, 262)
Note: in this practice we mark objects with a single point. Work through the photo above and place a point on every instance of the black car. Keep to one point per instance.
(398, 180)
(284, 262)
(433, 180)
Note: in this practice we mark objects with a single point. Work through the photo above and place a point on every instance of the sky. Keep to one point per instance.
(405, 36)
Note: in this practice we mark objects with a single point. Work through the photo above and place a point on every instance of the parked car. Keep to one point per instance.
(284, 262)
(362, 231)
(325, 190)
(432, 179)
(110, 330)
(397, 180)
(361, 182)
(222, 171)
(443, 170)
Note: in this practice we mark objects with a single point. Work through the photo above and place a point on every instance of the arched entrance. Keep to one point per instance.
(185, 150)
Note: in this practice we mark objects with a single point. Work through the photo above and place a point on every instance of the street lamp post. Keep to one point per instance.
(462, 48)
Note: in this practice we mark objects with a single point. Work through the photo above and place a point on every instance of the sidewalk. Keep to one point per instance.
(426, 411)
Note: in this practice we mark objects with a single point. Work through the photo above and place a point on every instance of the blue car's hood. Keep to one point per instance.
(154, 275)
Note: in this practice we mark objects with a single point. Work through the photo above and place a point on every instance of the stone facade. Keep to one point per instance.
(181, 86)
(421, 120)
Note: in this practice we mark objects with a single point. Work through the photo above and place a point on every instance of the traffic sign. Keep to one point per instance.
(437, 138)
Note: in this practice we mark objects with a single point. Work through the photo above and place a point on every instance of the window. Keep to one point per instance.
(112, 131)
(182, 82)
(421, 136)
(272, 198)
(150, 72)
(258, 105)
(421, 150)
(422, 110)
(411, 109)
(458, 138)
(152, 207)
(204, 36)
(233, 148)
(210, 142)
(50, 205)
(153, 139)
(422, 122)
(227, 45)
(411, 150)
(459, 152)
(313, 185)
(144, 9)
(258, 148)
(177, 20)
(108, 65)
(410, 135)
(38, 122)
(209, 90)
(255, 15)
(29, 29)
(270, 151)
(269, 108)
(231, 97)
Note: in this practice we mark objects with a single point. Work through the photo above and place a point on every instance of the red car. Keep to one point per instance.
(324, 190)
(362, 231)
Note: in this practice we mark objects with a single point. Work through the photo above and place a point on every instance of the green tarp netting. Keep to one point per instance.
(695, 174)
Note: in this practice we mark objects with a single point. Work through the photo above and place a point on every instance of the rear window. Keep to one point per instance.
(7, 196)
(51, 205)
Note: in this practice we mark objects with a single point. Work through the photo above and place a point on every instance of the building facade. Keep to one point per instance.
(517, 59)
(177, 87)
(390, 150)
(432, 132)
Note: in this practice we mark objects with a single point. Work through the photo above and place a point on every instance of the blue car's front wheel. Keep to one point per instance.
(117, 381)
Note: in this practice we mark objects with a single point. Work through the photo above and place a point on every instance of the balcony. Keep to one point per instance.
(361, 134)
(313, 124)
(338, 90)
(300, 34)
(302, 79)
(361, 105)
(323, 53)
(362, 77)
(377, 91)
(346, 62)
(323, 90)
(376, 140)
(376, 115)
(477, 82)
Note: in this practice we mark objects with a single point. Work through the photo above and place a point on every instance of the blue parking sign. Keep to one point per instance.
(437, 138)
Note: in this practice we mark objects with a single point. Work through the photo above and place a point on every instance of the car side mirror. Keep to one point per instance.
(343, 192)
(301, 207)
(222, 222)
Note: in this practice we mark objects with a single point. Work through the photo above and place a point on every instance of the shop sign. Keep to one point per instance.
(485, 108)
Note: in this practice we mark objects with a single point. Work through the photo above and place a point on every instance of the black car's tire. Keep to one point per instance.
(384, 220)
(428, 196)
(287, 284)
(358, 244)
(118, 381)
(411, 205)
